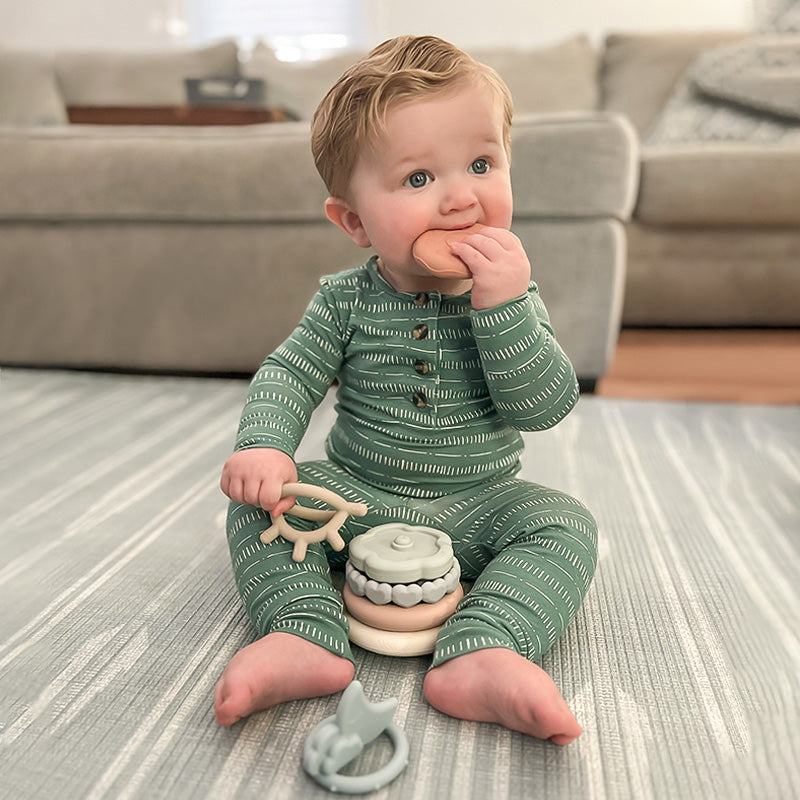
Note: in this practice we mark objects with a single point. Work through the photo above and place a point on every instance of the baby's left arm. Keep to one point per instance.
(530, 378)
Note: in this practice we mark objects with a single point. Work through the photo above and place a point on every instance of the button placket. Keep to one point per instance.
(425, 358)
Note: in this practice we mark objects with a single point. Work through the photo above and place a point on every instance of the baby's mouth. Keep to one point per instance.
(463, 227)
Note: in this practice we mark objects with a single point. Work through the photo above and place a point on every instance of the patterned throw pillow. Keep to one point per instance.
(777, 16)
(762, 73)
(744, 92)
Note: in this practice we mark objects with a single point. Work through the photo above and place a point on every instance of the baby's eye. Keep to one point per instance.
(417, 180)
(479, 166)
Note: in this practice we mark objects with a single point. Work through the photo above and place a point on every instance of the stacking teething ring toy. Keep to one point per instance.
(402, 581)
(402, 584)
(332, 520)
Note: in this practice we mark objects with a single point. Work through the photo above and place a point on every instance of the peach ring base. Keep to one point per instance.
(391, 617)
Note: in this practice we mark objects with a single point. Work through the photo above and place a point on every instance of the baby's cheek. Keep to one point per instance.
(501, 213)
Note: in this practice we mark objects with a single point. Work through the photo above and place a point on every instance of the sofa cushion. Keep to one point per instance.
(29, 92)
(727, 184)
(562, 77)
(639, 71)
(99, 78)
(202, 174)
(569, 83)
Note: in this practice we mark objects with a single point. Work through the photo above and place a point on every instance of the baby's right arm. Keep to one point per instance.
(256, 476)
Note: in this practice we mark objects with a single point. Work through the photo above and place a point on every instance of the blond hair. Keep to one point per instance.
(353, 112)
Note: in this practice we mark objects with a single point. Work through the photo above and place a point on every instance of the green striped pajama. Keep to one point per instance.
(432, 396)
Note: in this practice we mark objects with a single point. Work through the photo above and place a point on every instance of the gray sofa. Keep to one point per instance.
(196, 249)
(715, 235)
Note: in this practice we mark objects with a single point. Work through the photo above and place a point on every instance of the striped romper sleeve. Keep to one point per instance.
(294, 379)
(531, 380)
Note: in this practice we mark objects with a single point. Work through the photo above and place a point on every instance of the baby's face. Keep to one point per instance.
(441, 164)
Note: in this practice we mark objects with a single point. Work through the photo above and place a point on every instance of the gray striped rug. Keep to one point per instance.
(119, 611)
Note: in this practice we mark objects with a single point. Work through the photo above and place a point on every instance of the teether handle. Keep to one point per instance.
(326, 496)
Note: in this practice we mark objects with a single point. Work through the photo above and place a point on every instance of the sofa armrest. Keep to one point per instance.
(581, 164)
(575, 179)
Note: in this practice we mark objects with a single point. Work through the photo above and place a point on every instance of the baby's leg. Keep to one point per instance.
(304, 650)
(534, 553)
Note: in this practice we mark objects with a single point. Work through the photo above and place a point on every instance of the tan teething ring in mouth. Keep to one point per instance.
(431, 250)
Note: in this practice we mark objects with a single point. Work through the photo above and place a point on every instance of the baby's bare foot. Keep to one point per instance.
(498, 685)
(272, 670)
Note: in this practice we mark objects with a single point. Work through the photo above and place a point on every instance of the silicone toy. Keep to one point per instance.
(337, 740)
(408, 589)
(405, 644)
(405, 595)
(431, 250)
(395, 618)
(399, 553)
(409, 586)
(333, 520)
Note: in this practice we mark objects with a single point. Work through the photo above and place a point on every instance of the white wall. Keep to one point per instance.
(132, 24)
(57, 24)
(471, 23)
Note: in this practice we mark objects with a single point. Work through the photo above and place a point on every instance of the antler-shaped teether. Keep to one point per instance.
(333, 520)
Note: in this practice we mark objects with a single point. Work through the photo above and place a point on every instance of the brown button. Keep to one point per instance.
(422, 367)
(420, 332)
(419, 399)
(421, 299)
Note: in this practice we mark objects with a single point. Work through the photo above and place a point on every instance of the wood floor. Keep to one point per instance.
(737, 366)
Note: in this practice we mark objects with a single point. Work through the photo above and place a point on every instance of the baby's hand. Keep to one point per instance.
(499, 266)
(256, 477)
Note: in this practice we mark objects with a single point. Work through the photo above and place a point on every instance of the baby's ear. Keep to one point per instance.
(340, 213)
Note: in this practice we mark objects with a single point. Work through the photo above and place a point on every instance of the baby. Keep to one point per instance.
(437, 376)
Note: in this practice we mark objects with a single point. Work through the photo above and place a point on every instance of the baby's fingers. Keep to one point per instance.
(476, 251)
(252, 492)
(283, 505)
(270, 499)
(230, 486)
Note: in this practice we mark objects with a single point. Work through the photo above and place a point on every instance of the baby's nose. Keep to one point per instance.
(458, 195)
